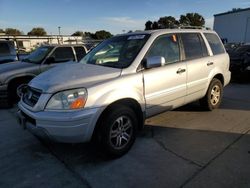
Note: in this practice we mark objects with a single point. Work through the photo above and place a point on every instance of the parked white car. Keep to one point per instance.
(123, 81)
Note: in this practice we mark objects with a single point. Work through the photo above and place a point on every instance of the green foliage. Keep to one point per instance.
(102, 34)
(167, 22)
(78, 33)
(12, 31)
(1, 31)
(190, 19)
(155, 25)
(37, 31)
(148, 25)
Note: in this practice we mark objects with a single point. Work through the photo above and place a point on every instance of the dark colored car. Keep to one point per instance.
(230, 47)
(7, 51)
(240, 62)
(14, 74)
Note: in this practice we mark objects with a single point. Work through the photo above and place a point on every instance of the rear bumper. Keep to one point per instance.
(67, 127)
(227, 78)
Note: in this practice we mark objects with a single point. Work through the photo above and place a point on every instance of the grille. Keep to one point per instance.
(31, 96)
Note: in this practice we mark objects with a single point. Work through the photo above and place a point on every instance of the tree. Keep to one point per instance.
(37, 31)
(1, 31)
(12, 31)
(102, 34)
(235, 9)
(192, 19)
(89, 35)
(148, 25)
(155, 25)
(167, 22)
(78, 33)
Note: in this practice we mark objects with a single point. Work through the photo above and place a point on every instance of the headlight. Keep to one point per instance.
(68, 100)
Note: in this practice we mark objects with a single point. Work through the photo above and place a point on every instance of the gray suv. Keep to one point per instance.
(13, 74)
(123, 81)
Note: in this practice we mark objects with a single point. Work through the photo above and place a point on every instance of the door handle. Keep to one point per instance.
(210, 63)
(179, 71)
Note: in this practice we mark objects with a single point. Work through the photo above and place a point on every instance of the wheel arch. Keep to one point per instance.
(19, 78)
(130, 102)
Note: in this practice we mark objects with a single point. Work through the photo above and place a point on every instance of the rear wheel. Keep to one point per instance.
(117, 131)
(213, 97)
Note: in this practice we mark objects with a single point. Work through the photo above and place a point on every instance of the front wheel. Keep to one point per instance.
(118, 130)
(213, 97)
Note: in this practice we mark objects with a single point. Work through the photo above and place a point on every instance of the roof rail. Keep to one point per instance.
(193, 27)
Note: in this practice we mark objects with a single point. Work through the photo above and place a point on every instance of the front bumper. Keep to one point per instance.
(67, 127)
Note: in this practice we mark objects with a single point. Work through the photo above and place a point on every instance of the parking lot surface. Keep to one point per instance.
(187, 147)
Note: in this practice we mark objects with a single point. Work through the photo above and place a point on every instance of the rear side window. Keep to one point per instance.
(80, 52)
(214, 43)
(166, 46)
(194, 46)
(4, 48)
(63, 54)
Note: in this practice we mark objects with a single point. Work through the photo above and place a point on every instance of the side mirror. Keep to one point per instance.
(50, 60)
(155, 61)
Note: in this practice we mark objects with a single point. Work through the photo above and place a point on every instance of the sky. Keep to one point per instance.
(115, 16)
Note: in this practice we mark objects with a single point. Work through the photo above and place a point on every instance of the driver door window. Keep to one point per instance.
(166, 46)
(63, 54)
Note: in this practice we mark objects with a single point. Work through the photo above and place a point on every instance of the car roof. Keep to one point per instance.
(162, 31)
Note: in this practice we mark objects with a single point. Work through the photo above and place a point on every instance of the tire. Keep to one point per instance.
(117, 131)
(213, 97)
(13, 98)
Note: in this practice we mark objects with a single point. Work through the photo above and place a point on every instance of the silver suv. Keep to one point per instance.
(123, 81)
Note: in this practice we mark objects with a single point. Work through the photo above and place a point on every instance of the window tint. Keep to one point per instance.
(80, 52)
(63, 54)
(214, 43)
(4, 48)
(194, 46)
(166, 46)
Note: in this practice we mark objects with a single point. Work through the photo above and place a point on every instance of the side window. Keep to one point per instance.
(214, 43)
(63, 54)
(80, 52)
(4, 48)
(194, 46)
(166, 46)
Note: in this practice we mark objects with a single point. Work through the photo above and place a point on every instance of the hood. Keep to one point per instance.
(71, 76)
(10, 69)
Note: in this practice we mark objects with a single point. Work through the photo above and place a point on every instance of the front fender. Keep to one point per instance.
(125, 87)
(18, 76)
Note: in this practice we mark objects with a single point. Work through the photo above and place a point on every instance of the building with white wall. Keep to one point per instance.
(233, 26)
(28, 43)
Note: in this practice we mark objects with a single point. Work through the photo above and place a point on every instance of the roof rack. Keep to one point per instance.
(193, 27)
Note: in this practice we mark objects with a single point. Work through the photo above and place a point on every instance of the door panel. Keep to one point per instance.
(165, 89)
(197, 77)
(198, 63)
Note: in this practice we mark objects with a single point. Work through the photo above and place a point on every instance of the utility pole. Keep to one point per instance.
(59, 30)
(59, 34)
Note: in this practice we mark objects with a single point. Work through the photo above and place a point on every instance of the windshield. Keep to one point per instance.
(38, 55)
(117, 52)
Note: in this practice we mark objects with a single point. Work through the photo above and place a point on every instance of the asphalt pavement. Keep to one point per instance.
(187, 147)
